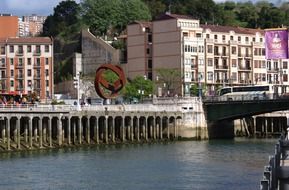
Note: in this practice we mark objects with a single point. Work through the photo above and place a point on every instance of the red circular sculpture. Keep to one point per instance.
(104, 88)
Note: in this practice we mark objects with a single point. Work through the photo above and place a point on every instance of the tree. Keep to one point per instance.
(65, 18)
(111, 17)
(139, 87)
(169, 77)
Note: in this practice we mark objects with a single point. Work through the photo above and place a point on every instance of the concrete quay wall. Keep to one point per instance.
(37, 127)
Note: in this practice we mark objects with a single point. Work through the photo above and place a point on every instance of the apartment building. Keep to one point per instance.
(210, 56)
(8, 26)
(31, 25)
(26, 66)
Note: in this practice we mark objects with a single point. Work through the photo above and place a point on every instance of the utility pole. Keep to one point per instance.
(76, 81)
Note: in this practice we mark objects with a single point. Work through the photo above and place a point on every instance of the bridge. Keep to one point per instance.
(223, 109)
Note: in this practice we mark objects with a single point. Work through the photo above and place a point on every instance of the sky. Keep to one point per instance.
(45, 7)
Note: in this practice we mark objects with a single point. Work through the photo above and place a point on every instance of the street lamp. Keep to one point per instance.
(141, 91)
(76, 81)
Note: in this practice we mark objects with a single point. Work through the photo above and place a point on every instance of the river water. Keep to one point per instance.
(217, 164)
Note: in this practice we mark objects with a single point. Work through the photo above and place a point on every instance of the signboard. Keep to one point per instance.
(276, 42)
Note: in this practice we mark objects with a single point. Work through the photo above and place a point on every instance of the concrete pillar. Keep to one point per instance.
(74, 125)
(68, 130)
(128, 130)
(44, 131)
(8, 132)
(96, 132)
(113, 130)
(3, 126)
(168, 132)
(25, 132)
(161, 128)
(157, 131)
(15, 132)
(35, 132)
(30, 131)
(106, 129)
(88, 131)
(40, 132)
(59, 131)
(175, 128)
(18, 132)
(146, 129)
(79, 131)
(154, 128)
(49, 123)
(122, 128)
(137, 129)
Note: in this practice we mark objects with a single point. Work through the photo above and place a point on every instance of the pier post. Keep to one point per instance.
(175, 128)
(49, 123)
(88, 131)
(168, 131)
(25, 132)
(106, 129)
(122, 128)
(40, 132)
(8, 132)
(15, 131)
(35, 131)
(18, 131)
(157, 131)
(59, 131)
(79, 131)
(74, 131)
(113, 130)
(137, 129)
(68, 130)
(44, 131)
(30, 131)
(161, 128)
(96, 131)
(3, 126)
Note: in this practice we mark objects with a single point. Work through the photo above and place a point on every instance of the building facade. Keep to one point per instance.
(209, 56)
(26, 66)
(8, 26)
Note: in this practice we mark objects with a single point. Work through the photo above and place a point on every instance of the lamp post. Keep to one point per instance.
(141, 91)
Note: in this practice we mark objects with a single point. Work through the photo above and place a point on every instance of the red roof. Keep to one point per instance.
(168, 16)
(27, 40)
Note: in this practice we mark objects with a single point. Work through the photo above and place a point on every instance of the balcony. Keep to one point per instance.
(19, 65)
(2, 65)
(20, 76)
(244, 68)
(221, 67)
(36, 65)
(37, 53)
(19, 53)
(37, 76)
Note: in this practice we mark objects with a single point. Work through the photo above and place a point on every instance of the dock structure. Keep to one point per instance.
(276, 174)
(39, 127)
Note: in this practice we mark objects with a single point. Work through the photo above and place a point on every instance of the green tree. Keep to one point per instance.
(138, 88)
(66, 17)
(111, 17)
(169, 77)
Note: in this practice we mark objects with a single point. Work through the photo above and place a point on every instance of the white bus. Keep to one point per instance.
(255, 92)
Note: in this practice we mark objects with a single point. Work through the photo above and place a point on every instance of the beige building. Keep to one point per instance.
(208, 55)
(26, 66)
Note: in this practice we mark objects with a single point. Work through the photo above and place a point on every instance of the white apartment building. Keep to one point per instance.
(208, 55)
(26, 66)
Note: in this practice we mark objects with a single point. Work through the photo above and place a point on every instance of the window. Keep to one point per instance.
(216, 37)
(20, 49)
(11, 49)
(261, 39)
(12, 83)
(46, 72)
(29, 72)
(246, 39)
(150, 64)
(20, 61)
(208, 36)
(38, 49)
(239, 38)
(231, 37)
(2, 50)
(28, 61)
(234, 50)
(46, 61)
(234, 62)
(148, 51)
(11, 61)
(150, 38)
(37, 61)
(285, 65)
(47, 83)
(210, 48)
(46, 48)
(29, 48)
(210, 75)
(210, 62)
(223, 37)
(11, 73)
